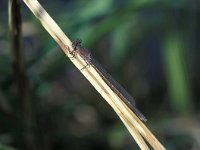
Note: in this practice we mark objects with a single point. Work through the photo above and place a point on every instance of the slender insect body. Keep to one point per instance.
(114, 85)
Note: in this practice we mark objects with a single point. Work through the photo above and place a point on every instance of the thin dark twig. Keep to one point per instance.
(20, 76)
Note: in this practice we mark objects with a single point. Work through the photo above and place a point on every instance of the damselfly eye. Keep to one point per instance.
(76, 43)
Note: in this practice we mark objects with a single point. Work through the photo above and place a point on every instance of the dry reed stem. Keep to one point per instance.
(136, 128)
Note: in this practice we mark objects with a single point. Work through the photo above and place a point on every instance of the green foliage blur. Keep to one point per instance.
(149, 46)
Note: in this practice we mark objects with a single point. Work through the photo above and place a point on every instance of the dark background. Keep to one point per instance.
(151, 47)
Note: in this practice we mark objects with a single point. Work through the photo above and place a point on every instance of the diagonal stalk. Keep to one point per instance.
(136, 128)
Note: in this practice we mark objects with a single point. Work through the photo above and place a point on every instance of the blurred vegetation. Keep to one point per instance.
(151, 47)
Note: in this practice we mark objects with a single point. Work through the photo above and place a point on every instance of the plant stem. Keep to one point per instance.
(20, 76)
